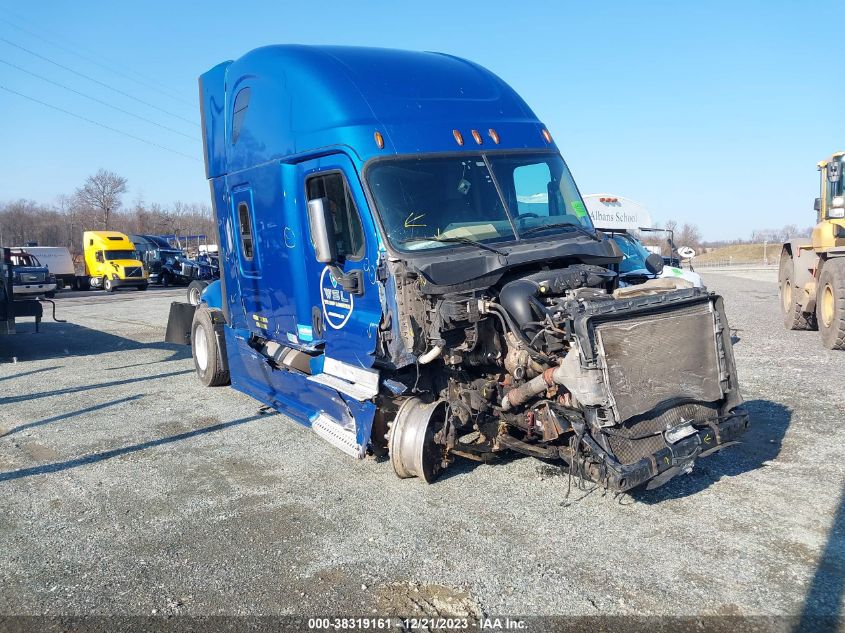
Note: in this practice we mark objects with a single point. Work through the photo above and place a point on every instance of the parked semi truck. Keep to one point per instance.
(812, 271)
(381, 284)
(111, 261)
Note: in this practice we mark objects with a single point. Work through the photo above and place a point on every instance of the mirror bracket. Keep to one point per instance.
(352, 282)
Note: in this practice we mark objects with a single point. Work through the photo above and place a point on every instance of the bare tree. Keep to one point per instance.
(102, 195)
(690, 236)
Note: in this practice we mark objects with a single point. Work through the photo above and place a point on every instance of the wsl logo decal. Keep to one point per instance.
(337, 304)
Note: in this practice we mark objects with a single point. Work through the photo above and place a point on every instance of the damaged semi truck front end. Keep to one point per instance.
(408, 267)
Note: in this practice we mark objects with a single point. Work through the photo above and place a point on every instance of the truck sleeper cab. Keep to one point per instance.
(111, 261)
(407, 266)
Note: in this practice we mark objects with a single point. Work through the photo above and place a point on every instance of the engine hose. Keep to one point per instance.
(53, 303)
(505, 318)
(430, 355)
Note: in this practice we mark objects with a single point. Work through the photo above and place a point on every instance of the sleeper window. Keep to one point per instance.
(239, 113)
(348, 232)
(245, 227)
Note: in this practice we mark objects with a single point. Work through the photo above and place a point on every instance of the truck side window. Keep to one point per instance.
(245, 228)
(348, 231)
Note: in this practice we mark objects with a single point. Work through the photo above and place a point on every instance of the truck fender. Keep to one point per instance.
(212, 296)
(804, 268)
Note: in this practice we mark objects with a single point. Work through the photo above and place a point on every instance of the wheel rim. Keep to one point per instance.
(194, 297)
(413, 451)
(828, 305)
(787, 295)
(201, 348)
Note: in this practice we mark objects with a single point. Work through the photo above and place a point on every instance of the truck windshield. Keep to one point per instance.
(25, 260)
(108, 255)
(421, 201)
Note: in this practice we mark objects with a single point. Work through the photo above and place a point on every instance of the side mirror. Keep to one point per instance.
(817, 204)
(321, 224)
(654, 264)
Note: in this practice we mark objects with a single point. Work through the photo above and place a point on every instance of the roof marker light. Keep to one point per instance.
(379, 139)
(493, 135)
(477, 136)
(547, 136)
(459, 138)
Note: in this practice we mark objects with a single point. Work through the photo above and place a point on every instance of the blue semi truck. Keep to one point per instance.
(409, 269)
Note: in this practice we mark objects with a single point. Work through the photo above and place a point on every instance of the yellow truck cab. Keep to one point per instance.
(111, 261)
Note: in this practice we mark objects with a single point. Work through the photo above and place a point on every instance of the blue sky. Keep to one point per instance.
(713, 113)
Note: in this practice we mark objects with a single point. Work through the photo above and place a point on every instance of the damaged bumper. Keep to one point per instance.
(673, 458)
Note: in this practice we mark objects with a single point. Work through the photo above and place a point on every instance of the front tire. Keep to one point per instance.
(195, 289)
(142, 287)
(208, 357)
(108, 285)
(830, 304)
(793, 317)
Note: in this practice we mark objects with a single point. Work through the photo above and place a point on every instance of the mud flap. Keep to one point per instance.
(179, 323)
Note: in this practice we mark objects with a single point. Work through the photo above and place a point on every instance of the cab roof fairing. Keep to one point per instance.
(306, 98)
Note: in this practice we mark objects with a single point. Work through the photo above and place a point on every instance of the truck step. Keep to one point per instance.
(357, 382)
(337, 435)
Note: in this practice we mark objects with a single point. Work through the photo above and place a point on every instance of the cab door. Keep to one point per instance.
(346, 321)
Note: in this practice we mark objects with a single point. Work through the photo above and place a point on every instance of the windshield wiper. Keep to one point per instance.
(456, 240)
(561, 225)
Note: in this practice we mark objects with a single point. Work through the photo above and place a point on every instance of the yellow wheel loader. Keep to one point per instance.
(812, 271)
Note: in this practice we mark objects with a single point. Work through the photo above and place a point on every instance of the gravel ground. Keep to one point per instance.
(127, 488)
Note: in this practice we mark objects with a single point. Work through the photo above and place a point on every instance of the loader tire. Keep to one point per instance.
(830, 304)
(793, 317)
(209, 359)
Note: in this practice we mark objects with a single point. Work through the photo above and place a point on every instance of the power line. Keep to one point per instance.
(147, 83)
(97, 81)
(97, 123)
(95, 99)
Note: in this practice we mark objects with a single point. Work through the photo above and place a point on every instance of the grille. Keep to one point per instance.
(655, 359)
(133, 271)
(627, 441)
(30, 278)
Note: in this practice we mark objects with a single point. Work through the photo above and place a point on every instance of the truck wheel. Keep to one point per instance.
(413, 450)
(195, 289)
(142, 287)
(793, 317)
(108, 286)
(164, 279)
(830, 304)
(208, 357)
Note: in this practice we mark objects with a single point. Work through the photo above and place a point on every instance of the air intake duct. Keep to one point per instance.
(517, 296)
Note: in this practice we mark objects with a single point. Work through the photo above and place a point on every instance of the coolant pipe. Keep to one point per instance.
(430, 355)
